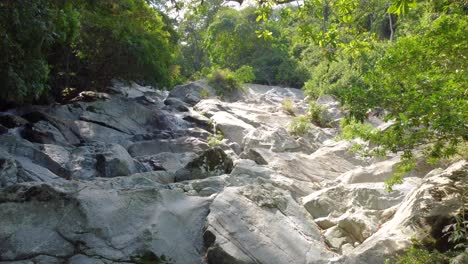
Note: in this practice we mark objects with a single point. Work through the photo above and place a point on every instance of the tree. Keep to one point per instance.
(26, 32)
(47, 46)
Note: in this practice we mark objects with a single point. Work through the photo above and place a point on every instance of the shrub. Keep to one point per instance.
(224, 82)
(417, 255)
(299, 126)
(26, 31)
(215, 140)
(204, 94)
(244, 74)
(316, 115)
(351, 128)
(288, 106)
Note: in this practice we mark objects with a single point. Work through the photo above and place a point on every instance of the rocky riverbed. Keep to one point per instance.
(128, 176)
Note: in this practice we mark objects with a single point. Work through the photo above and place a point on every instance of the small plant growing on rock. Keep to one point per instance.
(457, 232)
(204, 94)
(288, 106)
(224, 82)
(299, 126)
(216, 139)
(316, 115)
(417, 255)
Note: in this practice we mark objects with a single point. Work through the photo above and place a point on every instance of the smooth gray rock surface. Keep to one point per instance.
(135, 173)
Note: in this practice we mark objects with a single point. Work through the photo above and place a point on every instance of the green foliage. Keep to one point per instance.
(25, 34)
(351, 128)
(420, 80)
(128, 40)
(224, 82)
(299, 126)
(215, 140)
(244, 74)
(50, 45)
(204, 94)
(457, 231)
(231, 41)
(417, 255)
(288, 106)
(317, 116)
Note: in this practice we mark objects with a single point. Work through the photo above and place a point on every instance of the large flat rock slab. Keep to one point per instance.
(261, 224)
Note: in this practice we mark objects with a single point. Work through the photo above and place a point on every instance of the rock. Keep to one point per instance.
(135, 90)
(100, 160)
(199, 120)
(232, 127)
(167, 161)
(29, 153)
(92, 132)
(381, 171)
(179, 145)
(354, 211)
(212, 162)
(31, 241)
(190, 93)
(52, 128)
(124, 115)
(90, 96)
(31, 172)
(109, 225)
(256, 155)
(114, 161)
(332, 109)
(249, 167)
(12, 121)
(8, 170)
(3, 130)
(327, 163)
(59, 154)
(45, 133)
(276, 139)
(176, 104)
(209, 107)
(82, 259)
(261, 224)
(142, 180)
(423, 212)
